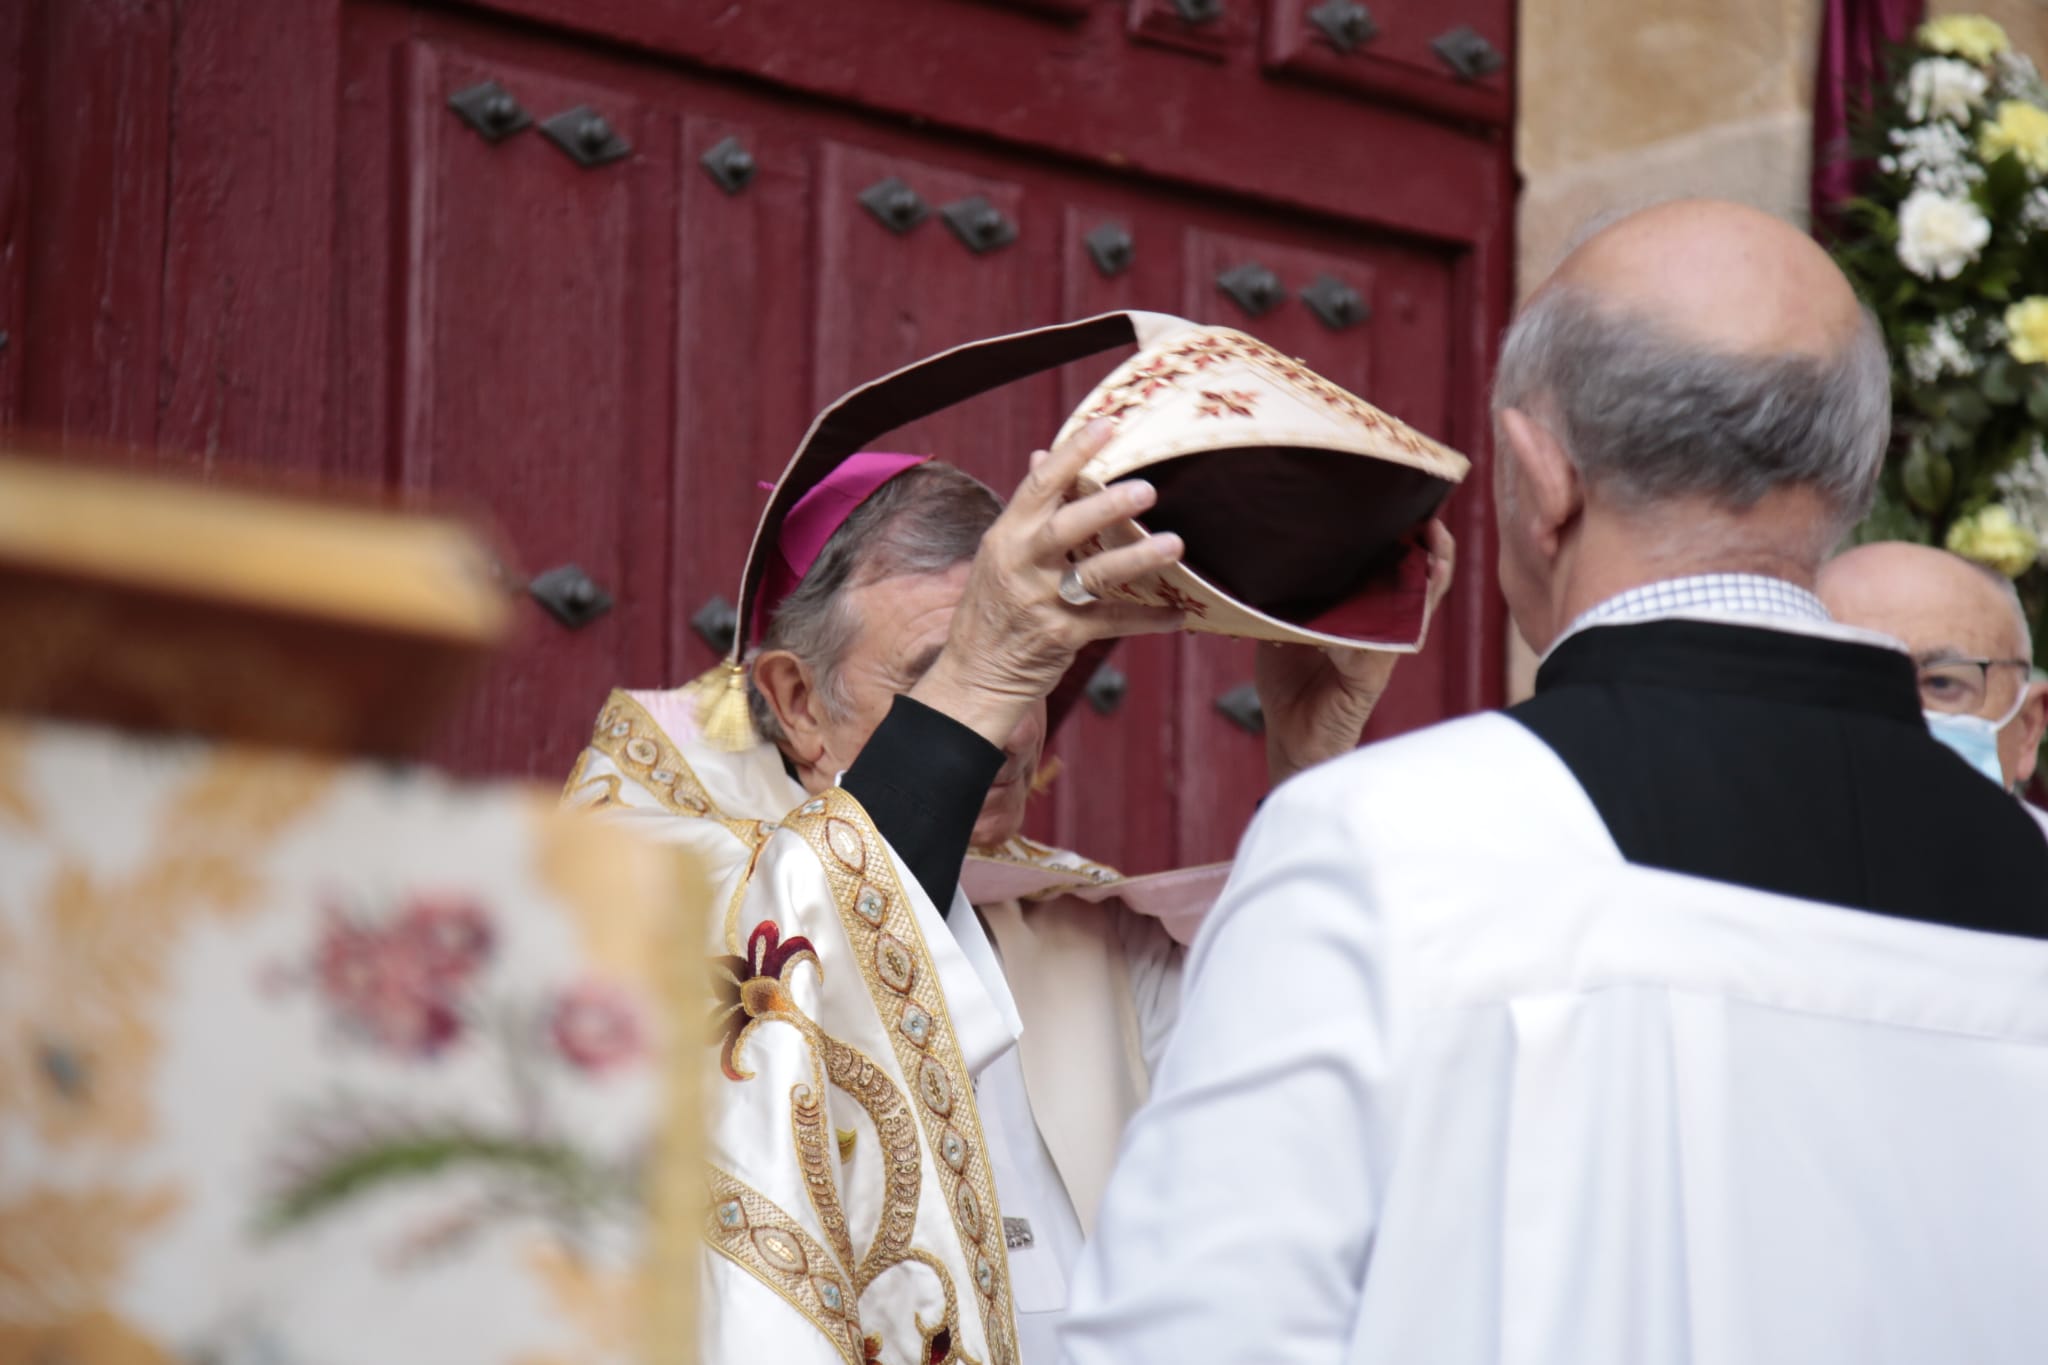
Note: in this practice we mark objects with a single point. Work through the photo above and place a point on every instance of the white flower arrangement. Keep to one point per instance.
(2034, 211)
(1940, 234)
(2015, 77)
(1936, 156)
(1944, 352)
(2023, 487)
(1949, 246)
(1944, 88)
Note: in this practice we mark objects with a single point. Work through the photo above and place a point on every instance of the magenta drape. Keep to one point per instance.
(1854, 37)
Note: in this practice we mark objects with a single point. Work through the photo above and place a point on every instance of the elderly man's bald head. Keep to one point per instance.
(1944, 608)
(1702, 352)
(1933, 601)
(1720, 276)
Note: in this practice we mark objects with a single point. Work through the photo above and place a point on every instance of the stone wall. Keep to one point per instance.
(1624, 104)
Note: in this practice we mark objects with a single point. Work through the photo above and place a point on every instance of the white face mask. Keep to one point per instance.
(1974, 738)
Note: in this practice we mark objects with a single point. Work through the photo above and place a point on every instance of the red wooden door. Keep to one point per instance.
(608, 359)
(518, 358)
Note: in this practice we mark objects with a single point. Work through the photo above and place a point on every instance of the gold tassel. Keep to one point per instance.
(722, 716)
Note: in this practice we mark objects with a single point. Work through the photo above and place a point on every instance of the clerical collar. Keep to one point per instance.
(1756, 598)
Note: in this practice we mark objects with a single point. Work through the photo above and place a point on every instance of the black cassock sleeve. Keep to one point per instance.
(922, 778)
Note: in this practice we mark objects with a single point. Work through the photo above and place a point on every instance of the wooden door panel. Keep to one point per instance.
(1410, 28)
(1398, 62)
(514, 331)
(742, 382)
(87, 333)
(1161, 22)
(1222, 767)
(534, 360)
(1342, 355)
(1115, 796)
(887, 299)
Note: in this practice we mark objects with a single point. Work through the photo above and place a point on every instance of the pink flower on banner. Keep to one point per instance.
(450, 938)
(398, 985)
(595, 1027)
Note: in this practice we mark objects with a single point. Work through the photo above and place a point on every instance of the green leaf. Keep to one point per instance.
(1967, 409)
(1996, 381)
(2006, 182)
(2037, 395)
(1928, 478)
(415, 1157)
(1890, 519)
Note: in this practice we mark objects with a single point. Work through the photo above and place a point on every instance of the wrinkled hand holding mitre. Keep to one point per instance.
(1273, 505)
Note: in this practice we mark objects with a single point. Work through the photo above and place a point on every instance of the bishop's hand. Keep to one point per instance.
(1013, 637)
(1317, 701)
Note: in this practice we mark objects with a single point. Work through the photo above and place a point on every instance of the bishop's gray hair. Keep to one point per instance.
(1649, 417)
(925, 520)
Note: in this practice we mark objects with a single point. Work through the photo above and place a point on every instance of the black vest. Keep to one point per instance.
(1788, 763)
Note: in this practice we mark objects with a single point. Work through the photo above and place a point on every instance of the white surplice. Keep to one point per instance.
(1468, 1087)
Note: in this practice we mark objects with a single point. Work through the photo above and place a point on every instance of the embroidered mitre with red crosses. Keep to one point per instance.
(1302, 505)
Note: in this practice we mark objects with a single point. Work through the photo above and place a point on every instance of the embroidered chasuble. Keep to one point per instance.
(843, 1152)
(818, 925)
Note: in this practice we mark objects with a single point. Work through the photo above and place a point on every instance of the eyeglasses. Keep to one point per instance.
(1973, 687)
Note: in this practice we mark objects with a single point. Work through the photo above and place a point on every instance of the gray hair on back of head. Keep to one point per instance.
(1648, 417)
(926, 520)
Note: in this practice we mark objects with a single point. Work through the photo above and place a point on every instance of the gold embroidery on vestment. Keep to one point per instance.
(635, 742)
(937, 1065)
(747, 1228)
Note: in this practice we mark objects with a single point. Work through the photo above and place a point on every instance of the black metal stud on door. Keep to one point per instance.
(895, 205)
(1105, 691)
(570, 596)
(1110, 247)
(979, 224)
(1467, 53)
(717, 624)
(730, 165)
(1255, 288)
(1240, 706)
(490, 109)
(1346, 23)
(1198, 11)
(587, 136)
(1335, 303)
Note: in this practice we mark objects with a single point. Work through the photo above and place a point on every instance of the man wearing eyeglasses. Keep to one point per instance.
(1963, 625)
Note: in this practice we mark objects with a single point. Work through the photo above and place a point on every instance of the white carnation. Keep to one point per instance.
(1944, 352)
(1938, 156)
(1944, 88)
(1939, 235)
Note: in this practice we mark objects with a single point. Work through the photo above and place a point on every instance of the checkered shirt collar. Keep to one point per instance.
(1755, 597)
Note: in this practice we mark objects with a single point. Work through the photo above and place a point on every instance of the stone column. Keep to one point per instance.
(1623, 105)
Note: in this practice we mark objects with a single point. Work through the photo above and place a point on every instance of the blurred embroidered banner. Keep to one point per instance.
(305, 1057)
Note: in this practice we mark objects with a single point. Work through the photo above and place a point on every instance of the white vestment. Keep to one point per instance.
(1089, 985)
(1468, 1087)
